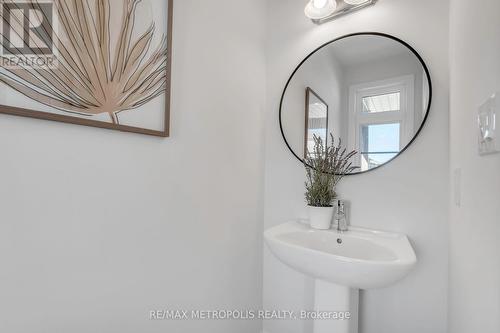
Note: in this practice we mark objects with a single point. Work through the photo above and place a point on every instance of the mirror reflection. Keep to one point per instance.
(316, 120)
(371, 91)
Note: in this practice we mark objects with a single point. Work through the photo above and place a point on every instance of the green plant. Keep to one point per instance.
(325, 167)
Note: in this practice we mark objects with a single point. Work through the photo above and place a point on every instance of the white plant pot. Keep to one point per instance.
(321, 217)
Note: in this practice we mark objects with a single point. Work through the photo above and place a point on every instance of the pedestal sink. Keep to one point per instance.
(342, 263)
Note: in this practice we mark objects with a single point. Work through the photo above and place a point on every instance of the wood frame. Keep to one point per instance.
(309, 92)
(16, 111)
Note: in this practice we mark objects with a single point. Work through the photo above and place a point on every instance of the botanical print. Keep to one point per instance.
(103, 65)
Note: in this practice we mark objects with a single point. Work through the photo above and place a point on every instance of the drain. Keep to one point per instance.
(339, 240)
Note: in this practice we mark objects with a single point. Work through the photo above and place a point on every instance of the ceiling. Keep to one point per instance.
(362, 49)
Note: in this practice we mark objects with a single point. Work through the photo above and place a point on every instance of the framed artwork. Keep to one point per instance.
(101, 63)
(316, 120)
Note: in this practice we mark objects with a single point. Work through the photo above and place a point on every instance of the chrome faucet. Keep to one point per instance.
(341, 217)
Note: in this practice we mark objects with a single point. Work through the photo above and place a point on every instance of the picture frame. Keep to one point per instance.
(316, 119)
(130, 69)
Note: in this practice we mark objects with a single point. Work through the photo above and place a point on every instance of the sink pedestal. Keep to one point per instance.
(361, 258)
(331, 298)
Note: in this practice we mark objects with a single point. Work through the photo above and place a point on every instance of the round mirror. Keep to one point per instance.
(371, 91)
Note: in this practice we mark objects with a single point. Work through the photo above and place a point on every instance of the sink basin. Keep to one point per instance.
(359, 258)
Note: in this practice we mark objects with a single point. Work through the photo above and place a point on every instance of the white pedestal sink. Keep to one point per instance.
(341, 264)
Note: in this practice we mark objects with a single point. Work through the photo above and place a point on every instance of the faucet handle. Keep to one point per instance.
(341, 206)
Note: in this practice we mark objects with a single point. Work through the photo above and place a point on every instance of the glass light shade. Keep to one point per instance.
(355, 2)
(314, 10)
(319, 3)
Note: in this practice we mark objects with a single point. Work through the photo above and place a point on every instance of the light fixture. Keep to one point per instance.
(320, 11)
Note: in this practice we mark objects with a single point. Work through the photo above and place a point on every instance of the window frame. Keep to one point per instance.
(405, 85)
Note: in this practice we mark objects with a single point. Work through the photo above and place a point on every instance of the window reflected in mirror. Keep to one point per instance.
(380, 143)
(381, 113)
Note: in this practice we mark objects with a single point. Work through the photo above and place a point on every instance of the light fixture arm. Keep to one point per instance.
(344, 10)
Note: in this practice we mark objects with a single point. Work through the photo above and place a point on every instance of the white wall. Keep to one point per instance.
(475, 226)
(401, 197)
(99, 227)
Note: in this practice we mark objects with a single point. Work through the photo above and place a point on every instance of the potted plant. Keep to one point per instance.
(325, 167)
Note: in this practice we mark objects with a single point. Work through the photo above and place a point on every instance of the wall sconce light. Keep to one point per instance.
(321, 11)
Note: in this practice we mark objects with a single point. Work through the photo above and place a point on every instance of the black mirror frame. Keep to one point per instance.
(427, 72)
